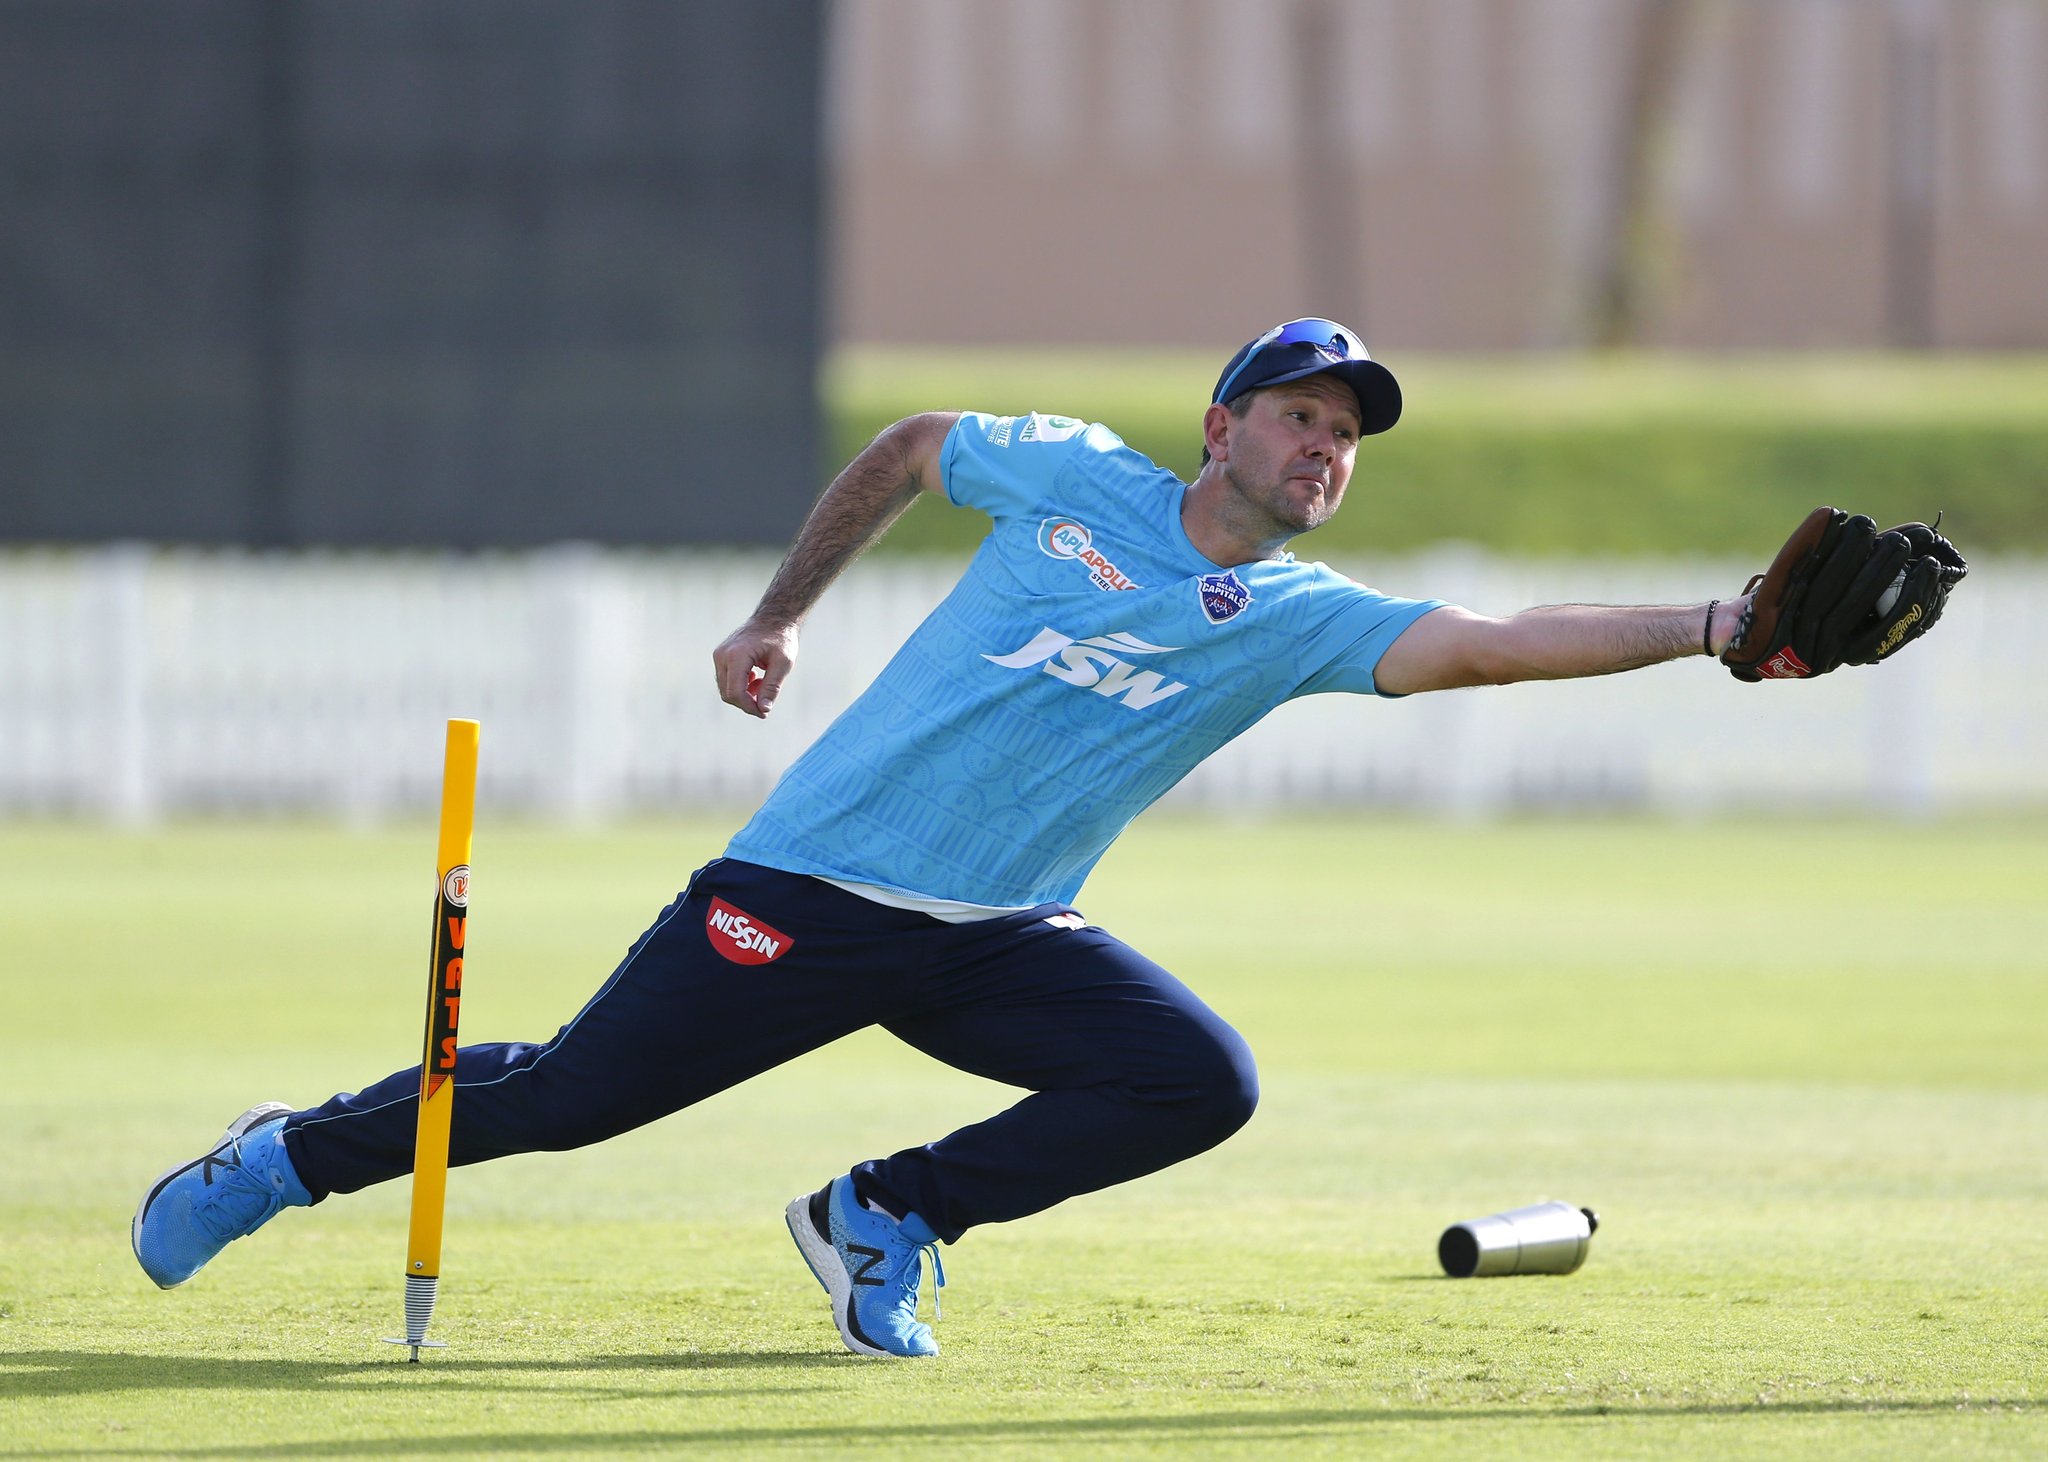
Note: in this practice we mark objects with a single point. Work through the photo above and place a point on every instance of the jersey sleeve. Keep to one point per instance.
(1007, 465)
(1348, 644)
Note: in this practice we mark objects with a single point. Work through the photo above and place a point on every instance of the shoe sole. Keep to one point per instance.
(827, 1268)
(256, 1116)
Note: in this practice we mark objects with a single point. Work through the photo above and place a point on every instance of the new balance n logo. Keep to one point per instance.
(220, 1157)
(869, 1259)
(1095, 664)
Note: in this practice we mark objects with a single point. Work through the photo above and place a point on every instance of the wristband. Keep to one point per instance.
(1707, 632)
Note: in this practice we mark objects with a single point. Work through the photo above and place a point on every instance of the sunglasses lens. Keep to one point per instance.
(1326, 336)
(1332, 342)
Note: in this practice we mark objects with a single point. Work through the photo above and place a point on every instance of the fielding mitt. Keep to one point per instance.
(1842, 593)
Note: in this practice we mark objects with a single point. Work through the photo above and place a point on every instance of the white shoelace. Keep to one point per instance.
(938, 1274)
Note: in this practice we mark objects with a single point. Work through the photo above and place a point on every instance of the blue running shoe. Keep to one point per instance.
(197, 1208)
(870, 1265)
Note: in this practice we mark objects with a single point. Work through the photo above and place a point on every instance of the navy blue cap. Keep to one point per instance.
(1311, 347)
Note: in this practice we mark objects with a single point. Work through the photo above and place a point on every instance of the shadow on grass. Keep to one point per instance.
(1278, 1424)
(51, 1373)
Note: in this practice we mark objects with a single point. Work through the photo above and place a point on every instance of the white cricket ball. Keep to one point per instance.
(1890, 596)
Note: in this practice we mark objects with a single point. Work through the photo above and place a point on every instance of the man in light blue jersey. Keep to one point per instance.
(915, 868)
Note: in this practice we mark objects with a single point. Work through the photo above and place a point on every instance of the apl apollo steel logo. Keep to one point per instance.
(1068, 538)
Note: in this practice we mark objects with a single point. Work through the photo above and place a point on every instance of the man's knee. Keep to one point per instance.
(1226, 1090)
(1238, 1092)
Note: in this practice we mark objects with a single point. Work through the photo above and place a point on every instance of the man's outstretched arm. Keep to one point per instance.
(854, 511)
(1452, 647)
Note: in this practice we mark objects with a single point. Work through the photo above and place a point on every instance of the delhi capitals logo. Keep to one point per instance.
(1223, 595)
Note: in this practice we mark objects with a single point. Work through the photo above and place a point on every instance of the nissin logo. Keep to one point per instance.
(1095, 664)
(742, 938)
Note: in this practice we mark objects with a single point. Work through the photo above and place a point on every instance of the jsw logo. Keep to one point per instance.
(1093, 663)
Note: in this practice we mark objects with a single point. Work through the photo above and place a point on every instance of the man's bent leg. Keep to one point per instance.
(1133, 1073)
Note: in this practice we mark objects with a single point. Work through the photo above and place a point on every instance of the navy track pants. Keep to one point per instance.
(750, 967)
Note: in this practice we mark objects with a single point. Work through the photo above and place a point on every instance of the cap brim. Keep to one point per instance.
(1379, 394)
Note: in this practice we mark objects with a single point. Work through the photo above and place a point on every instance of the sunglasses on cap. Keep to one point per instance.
(1310, 347)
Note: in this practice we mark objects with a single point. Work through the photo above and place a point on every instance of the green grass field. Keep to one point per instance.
(1799, 1068)
(1621, 453)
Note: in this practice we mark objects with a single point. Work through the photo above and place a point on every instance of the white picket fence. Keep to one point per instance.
(137, 682)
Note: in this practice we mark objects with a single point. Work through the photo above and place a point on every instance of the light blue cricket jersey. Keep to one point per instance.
(1086, 661)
